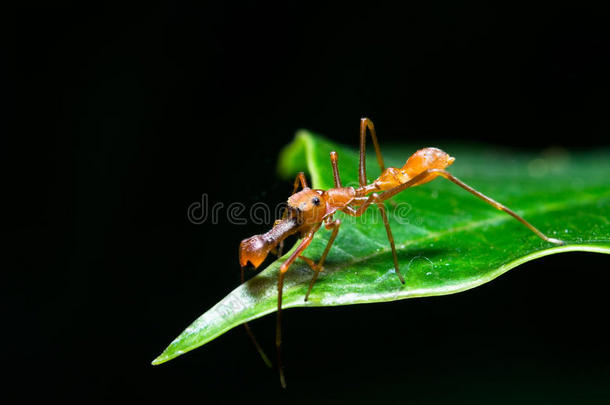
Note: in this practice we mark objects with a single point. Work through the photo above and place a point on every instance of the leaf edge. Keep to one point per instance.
(589, 248)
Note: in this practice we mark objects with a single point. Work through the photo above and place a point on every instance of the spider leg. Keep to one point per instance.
(364, 124)
(280, 288)
(317, 268)
(488, 200)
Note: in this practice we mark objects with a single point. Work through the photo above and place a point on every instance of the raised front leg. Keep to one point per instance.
(299, 179)
(333, 161)
(364, 124)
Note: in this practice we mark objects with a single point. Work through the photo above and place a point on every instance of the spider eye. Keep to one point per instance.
(315, 201)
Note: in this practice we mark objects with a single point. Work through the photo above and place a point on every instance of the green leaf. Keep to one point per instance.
(448, 241)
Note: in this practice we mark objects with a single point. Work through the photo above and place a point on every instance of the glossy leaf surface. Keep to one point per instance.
(448, 241)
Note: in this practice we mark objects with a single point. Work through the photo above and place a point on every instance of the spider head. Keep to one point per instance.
(308, 206)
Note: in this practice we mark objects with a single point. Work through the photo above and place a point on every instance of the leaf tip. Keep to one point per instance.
(165, 357)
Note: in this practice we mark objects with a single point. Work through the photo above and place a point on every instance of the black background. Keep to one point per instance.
(128, 114)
